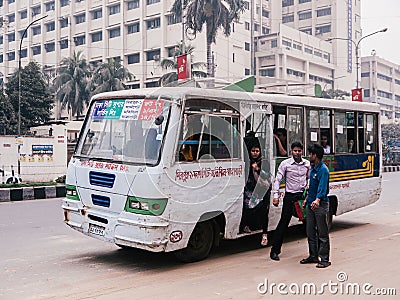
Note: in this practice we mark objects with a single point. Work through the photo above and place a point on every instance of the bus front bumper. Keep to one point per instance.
(124, 229)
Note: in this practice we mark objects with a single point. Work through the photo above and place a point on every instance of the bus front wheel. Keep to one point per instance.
(199, 245)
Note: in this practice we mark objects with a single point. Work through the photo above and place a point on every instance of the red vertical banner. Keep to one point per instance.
(356, 95)
(183, 62)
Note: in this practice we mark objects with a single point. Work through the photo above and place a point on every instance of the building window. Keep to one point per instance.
(50, 26)
(286, 43)
(173, 19)
(324, 12)
(305, 15)
(274, 43)
(265, 13)
(304, 1)
(115, 9)
(115, 32)
(384, 94)
(366, 93)
(35, 10)
(153, 23)
(133, 28)
(64, 3)
(265, 30)
(63, 23)
(50, 6)
(134, 58)
(97, 14)
(287, 19)
(247, 25)
(171, 51)
(307, 31)
(256, 27)
(36, 50)
(79, 40)
(23, 14)
(287, 3)
(149, 2)
(11, 1)
(365, 74)
(246, 71)
(1, 58)
(396, 81)
(97, 36)
(24, 53)
(80, 19)
(268, 73)
(36, 30)
(247, 46)
(133, 4)
(317, 53)
(10, 56)
(21, 34)
(322, 29)
(11, 37)
(11, 18)
(50, 47)
(64, 44)
(153, 55)
(308, 50)
(384, 77)
(1, 40)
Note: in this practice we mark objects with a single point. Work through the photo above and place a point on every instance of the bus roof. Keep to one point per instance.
(226, 95)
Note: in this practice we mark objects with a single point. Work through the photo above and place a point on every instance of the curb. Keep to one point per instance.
(391, 168)
(31, 193)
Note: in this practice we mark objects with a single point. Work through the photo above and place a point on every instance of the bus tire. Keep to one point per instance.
(200, 243)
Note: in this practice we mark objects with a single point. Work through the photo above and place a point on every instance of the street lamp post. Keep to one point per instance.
(357, 47)
(19, 73)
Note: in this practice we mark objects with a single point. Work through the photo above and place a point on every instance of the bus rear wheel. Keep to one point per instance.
(199, 245)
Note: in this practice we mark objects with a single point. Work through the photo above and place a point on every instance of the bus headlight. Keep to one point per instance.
(144, 206)
(71, 192)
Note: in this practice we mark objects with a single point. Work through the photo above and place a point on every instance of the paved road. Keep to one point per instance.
(41, 258)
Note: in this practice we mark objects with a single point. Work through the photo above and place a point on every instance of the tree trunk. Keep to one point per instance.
(210, 62)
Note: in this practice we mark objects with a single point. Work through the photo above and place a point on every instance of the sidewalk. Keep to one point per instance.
(30, 193)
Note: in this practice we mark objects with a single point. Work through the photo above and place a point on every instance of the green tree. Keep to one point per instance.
(215, 14)
(8, 122)
(36, 100)
(110, 76)
(334, 94)
(71, 84)
(171, 64)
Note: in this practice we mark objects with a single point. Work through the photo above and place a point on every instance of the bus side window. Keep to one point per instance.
(351, 132)
(340, 132)
(280, 132)
(295, 125)
(361, 132)
(371, 132)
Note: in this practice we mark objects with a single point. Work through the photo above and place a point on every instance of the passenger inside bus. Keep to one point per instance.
(134, 146)
(280, 135)
(325, 143)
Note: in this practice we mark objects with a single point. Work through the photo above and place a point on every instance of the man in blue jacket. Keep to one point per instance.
(317, 210)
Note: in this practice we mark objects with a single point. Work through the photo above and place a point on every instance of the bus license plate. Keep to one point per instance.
(97, 230)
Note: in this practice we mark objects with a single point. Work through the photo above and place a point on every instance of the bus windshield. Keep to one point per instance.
(129, 130)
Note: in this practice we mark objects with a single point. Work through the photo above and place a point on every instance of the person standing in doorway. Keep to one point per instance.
(317, 210)
(295, 170)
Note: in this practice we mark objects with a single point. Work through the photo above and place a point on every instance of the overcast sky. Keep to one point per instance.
(376, 15)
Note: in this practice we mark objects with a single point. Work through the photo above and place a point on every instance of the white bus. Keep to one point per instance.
(164, 169)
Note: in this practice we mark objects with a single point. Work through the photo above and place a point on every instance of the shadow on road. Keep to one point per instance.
(136, 259)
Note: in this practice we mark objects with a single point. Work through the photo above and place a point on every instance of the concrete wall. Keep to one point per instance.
(41, 158)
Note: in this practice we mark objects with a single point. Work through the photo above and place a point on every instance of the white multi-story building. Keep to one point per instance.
(380, 80)
(143, 32)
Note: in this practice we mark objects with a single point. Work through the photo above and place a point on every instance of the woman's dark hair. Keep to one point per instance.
(316, 149)
(296, 144)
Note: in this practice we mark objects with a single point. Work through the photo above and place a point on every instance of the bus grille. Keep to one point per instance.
(101, 200)
(101, 179)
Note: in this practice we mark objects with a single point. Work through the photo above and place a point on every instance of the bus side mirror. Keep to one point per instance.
(159, 120)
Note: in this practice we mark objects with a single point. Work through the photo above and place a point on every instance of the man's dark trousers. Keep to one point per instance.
(286, 215)
(318, 219)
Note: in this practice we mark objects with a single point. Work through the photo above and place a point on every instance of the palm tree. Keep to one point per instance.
(71, 84)
(215, 14)
(110, 76)
(171, 64)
